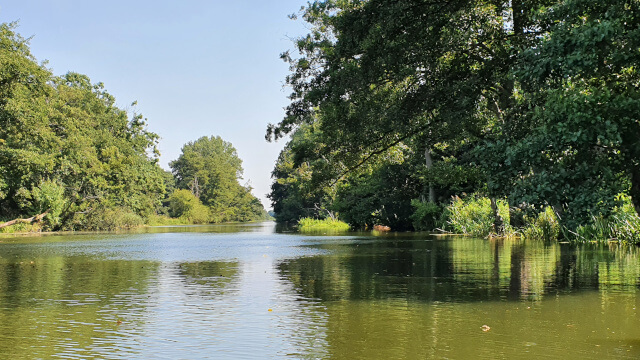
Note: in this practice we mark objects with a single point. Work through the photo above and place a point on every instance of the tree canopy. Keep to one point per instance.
(537, 99)
(65, 145)
(70, 156)
(211, 169)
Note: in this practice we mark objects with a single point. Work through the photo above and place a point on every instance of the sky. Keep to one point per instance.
(195, 67)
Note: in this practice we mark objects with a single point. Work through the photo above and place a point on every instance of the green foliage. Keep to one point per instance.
(309, 225)
(428, 216)
(211, 169)
(164, 220)
(623, 225)
(545, 226)
(381, 196)
(22, 228)
(474, 216)
(49, 195)
(301, 186)
(536, 102)
(66, 147)
(188, 208)
(105, 219)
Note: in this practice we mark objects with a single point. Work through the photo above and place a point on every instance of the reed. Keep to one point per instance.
(310, 225)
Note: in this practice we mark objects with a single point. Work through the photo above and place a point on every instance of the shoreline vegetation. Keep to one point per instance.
(71, 160)
(473, 216)
(324, 226)
(493, 119)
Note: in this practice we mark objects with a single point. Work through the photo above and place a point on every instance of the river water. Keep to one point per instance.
(248, 292)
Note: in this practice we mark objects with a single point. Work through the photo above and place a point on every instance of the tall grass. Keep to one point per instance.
(473, 216)
(545, 226)
(310, 225)
(21, 228)
(623, 225)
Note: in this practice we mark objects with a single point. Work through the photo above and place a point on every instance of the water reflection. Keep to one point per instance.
(460, 270)
(48, 300)
(252, 294)
(208, 278)
(462, 298)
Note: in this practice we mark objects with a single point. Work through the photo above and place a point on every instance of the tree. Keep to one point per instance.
(186, 206)
(211, 169)
(384, 73)
(581, 84)
(502, 79)
(66, 133)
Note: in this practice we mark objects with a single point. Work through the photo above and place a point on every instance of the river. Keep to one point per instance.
(249, 292)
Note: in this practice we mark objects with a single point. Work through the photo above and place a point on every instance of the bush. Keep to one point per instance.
(107, 219)
(188, 208)
(163, 220)
(428, 216)
(47, 195)
(309, 225)
(623, 225)
(545, 226)
(473, 216)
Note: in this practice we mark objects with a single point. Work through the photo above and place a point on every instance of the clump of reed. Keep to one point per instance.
(544, 226)
(623, 225)
(474, 216)
(311, 225)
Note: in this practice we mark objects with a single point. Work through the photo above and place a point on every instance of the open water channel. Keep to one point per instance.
(248, 292)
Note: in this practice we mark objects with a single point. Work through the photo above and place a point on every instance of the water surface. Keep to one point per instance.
(246, 292)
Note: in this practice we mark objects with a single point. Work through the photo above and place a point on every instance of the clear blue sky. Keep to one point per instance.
(195, 67)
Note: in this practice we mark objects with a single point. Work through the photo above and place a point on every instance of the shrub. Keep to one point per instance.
(623, 225)
(163, 220)
(107, 219)
(544, 226)
(309, 225)
(473, 216)
(188, 208)
(428, 216)
(47, 195)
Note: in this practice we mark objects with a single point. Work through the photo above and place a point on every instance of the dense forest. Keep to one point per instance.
(485, 117)
(70, 159)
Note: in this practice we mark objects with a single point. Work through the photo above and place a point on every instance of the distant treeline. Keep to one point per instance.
(70, 155)
(413, 113)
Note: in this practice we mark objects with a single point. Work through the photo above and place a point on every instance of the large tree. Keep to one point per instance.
(480, 75)
(65, 144)
(211, 169)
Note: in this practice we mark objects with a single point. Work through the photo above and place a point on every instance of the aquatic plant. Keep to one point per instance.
(473, 216)
(545, 226)
(623, 225)
(310, 225)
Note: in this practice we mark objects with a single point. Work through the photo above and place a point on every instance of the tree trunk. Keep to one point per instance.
(498, 223)
(429, 164)
(33, 219)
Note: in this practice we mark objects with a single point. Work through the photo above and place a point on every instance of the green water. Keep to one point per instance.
(247, 292)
